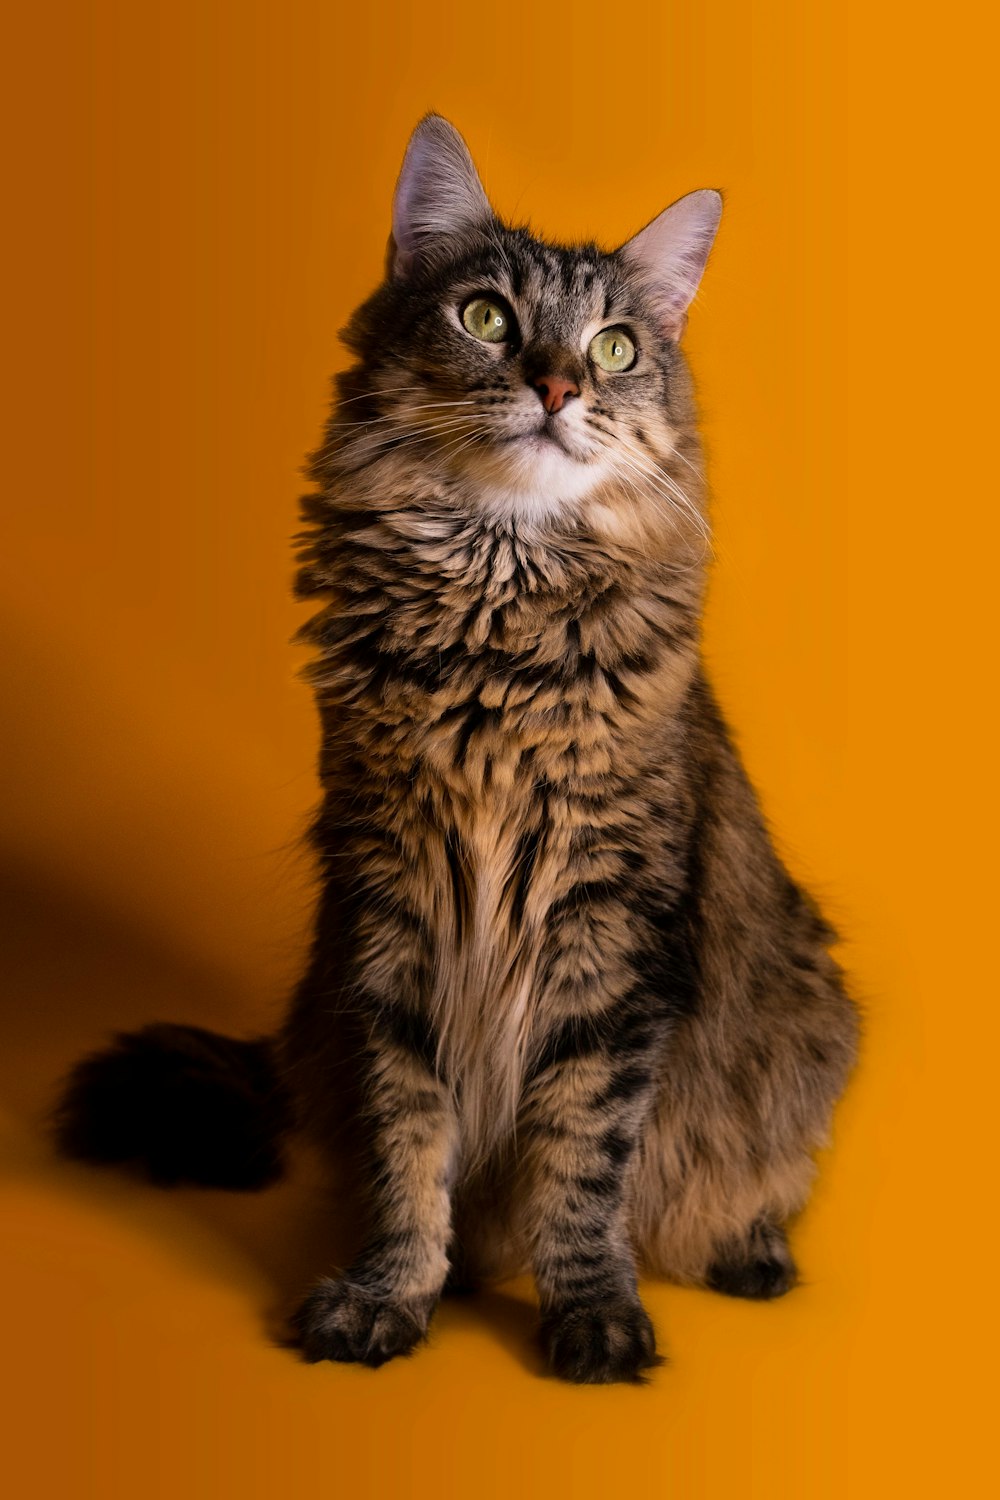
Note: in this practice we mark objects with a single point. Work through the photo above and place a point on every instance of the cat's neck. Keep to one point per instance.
(419, 591)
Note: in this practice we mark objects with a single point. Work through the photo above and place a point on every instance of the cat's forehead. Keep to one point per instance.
(551, 287)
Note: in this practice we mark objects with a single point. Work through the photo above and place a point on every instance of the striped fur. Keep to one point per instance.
(603, 1019)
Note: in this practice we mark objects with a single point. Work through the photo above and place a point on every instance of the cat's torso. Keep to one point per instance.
(510, 721)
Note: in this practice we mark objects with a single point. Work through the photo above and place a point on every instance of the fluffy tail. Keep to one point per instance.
(180, 1105)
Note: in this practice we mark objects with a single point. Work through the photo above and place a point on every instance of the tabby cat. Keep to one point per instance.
(563, 996)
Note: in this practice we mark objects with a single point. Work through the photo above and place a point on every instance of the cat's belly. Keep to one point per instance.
(485, 999)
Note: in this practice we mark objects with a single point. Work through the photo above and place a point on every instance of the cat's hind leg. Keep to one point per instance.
(711, 1213)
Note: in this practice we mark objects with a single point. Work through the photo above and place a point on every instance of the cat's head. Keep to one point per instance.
(531, 380)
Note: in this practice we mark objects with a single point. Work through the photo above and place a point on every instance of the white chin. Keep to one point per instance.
(532, 478)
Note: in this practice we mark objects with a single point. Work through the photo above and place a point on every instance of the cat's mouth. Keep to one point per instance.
(529, 464)
(544, 438)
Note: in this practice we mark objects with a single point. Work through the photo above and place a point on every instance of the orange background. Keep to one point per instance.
(198, 197)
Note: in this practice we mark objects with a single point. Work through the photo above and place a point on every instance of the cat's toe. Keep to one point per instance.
(342, 1322)
(600, 1345)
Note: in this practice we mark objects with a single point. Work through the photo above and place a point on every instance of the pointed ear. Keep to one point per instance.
(669, 255)
(438, 194)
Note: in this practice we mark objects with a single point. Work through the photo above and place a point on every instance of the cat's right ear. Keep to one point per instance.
(438, 195)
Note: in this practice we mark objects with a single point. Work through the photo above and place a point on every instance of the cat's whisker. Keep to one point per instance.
(460, 444)
(420, 434)
(667, 486)
(398, 436)
(388, 445)
(646, 460)
(683, 458)
(484, 430)
(403, 412)
(376, 392)
(630, 495)
(665, 506)
(652, 488)
(415, 423)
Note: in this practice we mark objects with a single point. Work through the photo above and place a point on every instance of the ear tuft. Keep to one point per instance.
(670, 255)
(438, 193)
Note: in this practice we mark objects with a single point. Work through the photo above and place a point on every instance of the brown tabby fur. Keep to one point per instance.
(561, 979)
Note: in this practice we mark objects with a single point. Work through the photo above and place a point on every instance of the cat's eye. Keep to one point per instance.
(488, 318)
(612, 349)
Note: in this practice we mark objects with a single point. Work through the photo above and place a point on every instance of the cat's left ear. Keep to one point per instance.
(438, 195)
(670, 255)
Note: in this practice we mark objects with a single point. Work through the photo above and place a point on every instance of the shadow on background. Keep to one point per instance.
(76, 974)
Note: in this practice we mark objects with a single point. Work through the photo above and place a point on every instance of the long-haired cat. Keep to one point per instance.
(563, 995)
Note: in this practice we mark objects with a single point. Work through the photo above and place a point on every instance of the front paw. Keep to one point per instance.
(343, 1322)
(602, 1344)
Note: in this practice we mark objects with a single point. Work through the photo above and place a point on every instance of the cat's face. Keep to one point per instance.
(527, 377)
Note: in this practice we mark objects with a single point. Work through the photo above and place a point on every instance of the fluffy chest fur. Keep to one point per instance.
(494, 704)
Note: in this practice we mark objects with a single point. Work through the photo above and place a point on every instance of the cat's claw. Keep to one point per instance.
(600, 1345)
(342, 1322)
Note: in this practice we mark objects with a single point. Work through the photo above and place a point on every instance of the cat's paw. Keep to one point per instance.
(759, 1265)
(343, 1322)
(598, 1345)
(761, 1279)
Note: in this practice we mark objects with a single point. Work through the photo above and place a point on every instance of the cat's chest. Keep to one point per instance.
(491, 725)
(486, 664)
(499, 790)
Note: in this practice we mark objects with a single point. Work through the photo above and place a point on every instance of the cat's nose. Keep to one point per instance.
(554, 391)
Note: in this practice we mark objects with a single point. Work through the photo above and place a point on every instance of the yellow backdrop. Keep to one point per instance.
(198, 196)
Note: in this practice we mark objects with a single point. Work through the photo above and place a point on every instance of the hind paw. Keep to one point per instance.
(760, 1280)
(761, 1267)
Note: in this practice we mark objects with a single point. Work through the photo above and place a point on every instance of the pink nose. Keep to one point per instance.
(554, 391)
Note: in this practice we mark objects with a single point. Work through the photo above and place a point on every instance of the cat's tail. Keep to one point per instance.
(180, 1105)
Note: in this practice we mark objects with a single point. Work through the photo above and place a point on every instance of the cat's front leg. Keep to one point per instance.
(382, 1305)
(583, 1113)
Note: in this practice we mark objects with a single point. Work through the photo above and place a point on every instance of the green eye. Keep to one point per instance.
(487, 318)
(613, 350)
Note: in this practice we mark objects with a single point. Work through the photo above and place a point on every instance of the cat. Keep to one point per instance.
(563, 996)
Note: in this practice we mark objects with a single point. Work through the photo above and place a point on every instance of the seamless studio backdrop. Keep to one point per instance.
(198, 196)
